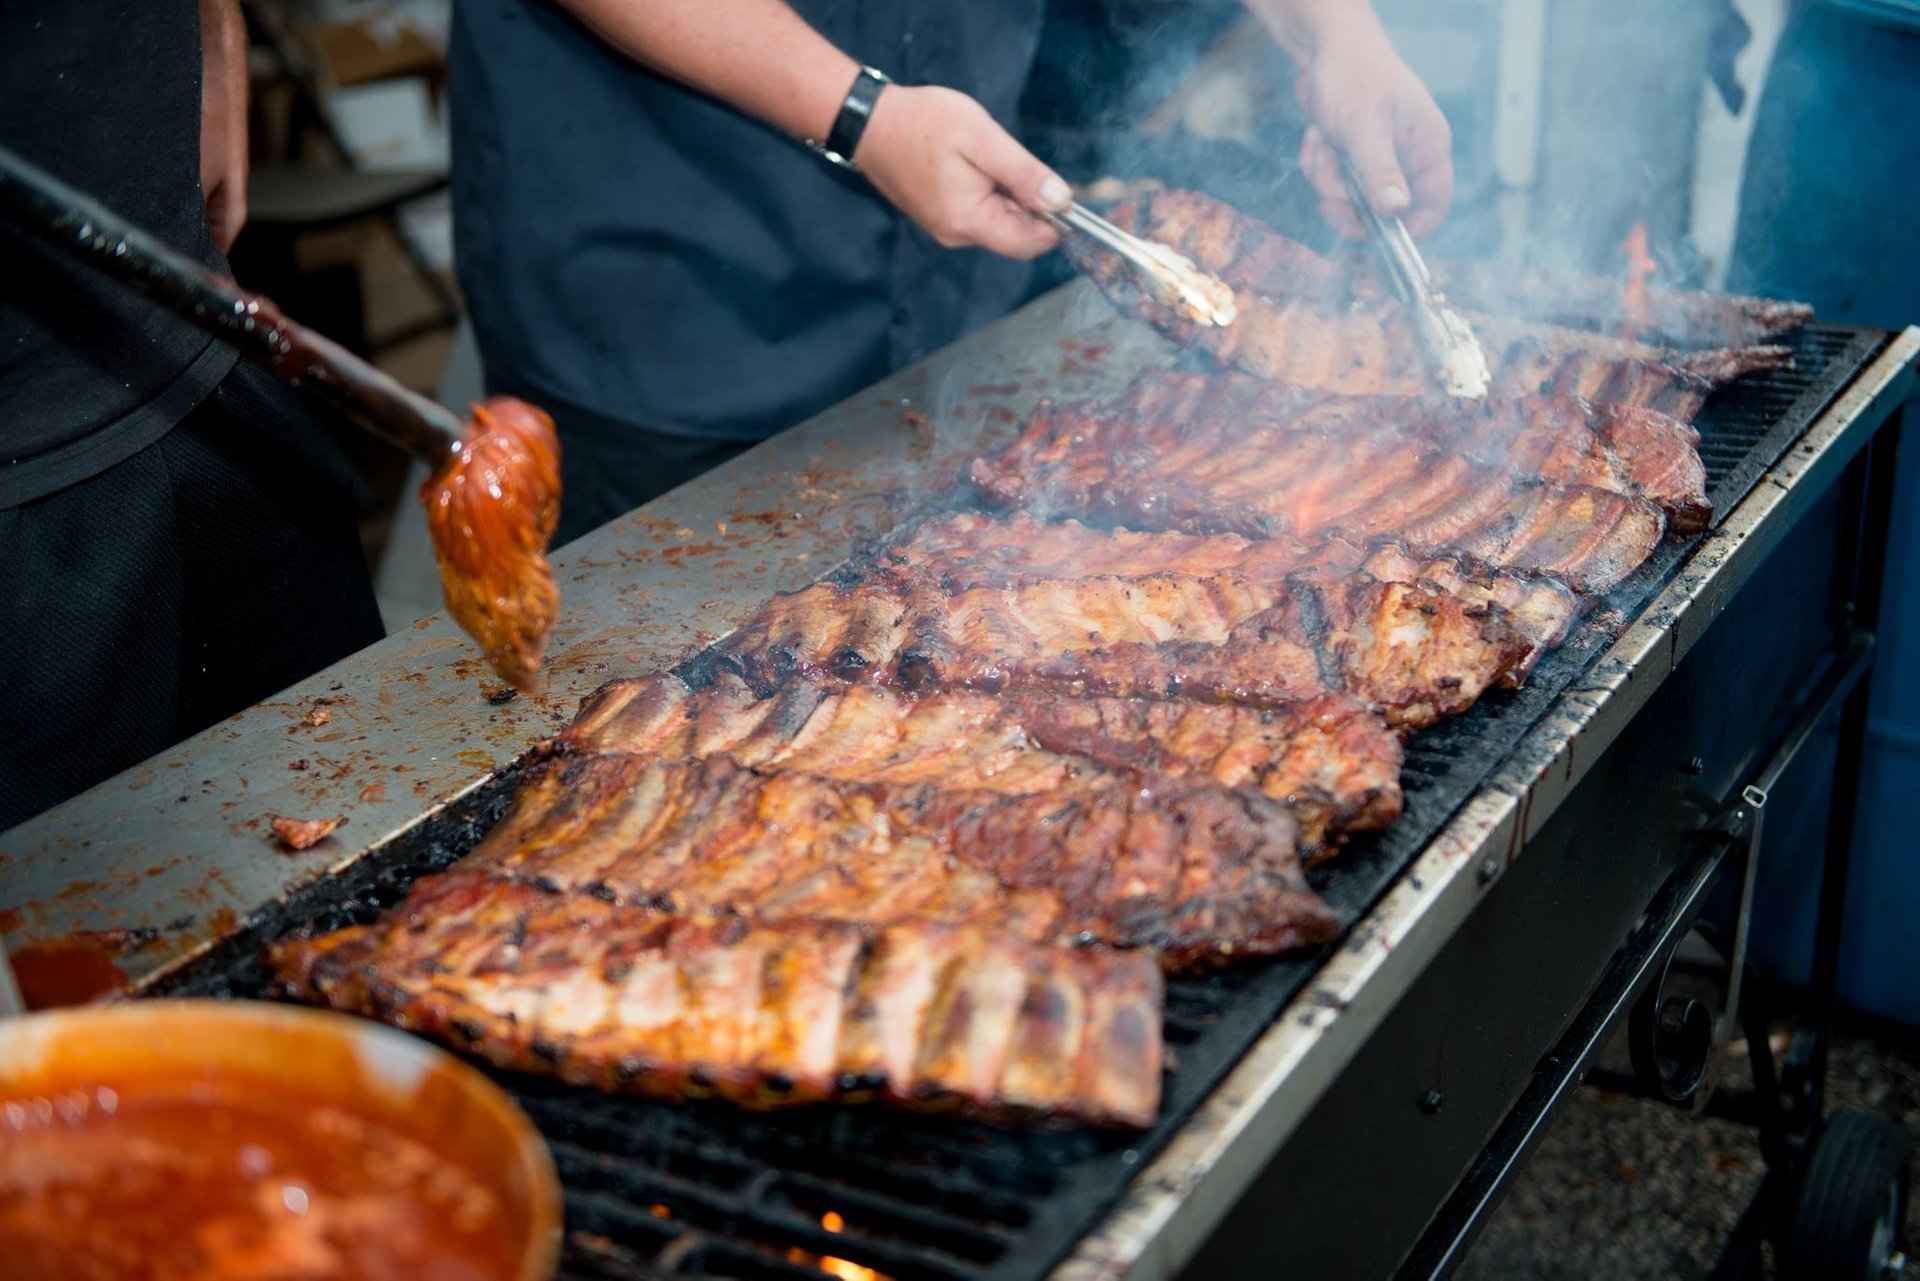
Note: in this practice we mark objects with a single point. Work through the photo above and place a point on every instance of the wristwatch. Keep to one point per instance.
(852, 120)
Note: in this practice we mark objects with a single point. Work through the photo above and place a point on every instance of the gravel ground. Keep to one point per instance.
(1626, 1188)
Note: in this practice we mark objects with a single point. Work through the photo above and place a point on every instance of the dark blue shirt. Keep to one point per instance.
(637, 251)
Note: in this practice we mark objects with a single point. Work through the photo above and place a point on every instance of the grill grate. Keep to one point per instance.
(701, 1189)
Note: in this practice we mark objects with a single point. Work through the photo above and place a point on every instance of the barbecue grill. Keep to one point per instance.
(1341, 1112)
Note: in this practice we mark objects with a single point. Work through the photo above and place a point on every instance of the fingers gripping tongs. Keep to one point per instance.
(1454, 354)
(1168, 276)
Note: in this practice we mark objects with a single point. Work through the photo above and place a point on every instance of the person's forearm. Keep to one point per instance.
(1302, 27)
(223, 118)
(758, 56)
(931, 151)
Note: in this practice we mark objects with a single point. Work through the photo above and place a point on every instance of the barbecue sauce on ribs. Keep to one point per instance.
(491, 512)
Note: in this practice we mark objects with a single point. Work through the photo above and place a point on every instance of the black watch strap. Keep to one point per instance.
(855, 111)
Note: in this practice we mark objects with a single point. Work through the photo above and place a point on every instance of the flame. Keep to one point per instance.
(659, 1211)
(845, 1269)
(1640, 265)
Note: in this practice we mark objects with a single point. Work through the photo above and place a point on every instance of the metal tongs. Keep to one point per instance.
(1459, 364)
(1168, 276)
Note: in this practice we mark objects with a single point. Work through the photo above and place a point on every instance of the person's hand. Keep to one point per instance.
(1362, 98)
(223, 118)
(945, 163)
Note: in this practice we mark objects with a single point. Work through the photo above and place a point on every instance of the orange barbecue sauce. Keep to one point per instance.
(65, 973)
(491, 512)
(219, 1182)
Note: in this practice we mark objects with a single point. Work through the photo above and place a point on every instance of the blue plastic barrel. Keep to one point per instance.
(1828, 203)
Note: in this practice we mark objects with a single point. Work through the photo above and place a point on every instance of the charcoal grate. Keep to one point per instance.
(701, 1189)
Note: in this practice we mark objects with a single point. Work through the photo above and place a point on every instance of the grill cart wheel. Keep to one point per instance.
(1847, 1219)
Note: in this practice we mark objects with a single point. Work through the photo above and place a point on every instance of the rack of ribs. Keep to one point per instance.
(979, 549)
(1199, 425)
(1199, 872)
(1311, 322)
(1412, 652)
(1331, 760)
(622, 998)
(1194, 419)
(1341, 469)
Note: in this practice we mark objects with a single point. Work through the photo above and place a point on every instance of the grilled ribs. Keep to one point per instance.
(976, 549)
(1331, 760)
(1557, 438)
(932, 829)
(1344, 468)
(1201, 872)
(1306, 320)
(621, 998)
(1415, 654)
(998, 549)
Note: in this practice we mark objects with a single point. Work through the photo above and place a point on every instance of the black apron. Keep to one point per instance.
(177, 534)
(674, 280)
(106, 95)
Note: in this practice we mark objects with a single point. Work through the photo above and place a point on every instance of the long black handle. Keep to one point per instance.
(71, 221)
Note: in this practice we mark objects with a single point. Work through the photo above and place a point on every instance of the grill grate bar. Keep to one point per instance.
(607, 1197)
(632, 1233)
(881, 1218)
(638, 1187)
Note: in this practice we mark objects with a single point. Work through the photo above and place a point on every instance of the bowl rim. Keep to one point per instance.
(540, 1255)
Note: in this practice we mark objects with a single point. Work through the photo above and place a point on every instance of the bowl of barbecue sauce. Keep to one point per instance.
(220, 1140)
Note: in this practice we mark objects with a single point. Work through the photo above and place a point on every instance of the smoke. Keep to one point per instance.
(1191, 96)
(1569, 131)
(1534, 248)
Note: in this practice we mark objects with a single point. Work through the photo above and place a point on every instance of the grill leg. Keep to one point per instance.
(1786, 1135)
(1805, 1071)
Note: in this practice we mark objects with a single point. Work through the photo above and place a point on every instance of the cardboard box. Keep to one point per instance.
(378, 47)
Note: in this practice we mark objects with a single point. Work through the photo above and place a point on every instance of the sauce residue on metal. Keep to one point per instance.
(70, 971)
(491, 512)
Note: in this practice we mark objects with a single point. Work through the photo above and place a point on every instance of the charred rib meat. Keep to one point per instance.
(621, 998)
(1343, 468)
(1332, 760)
(979, 550)
(1198, 871)
(1414, 653)
(982, 549)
